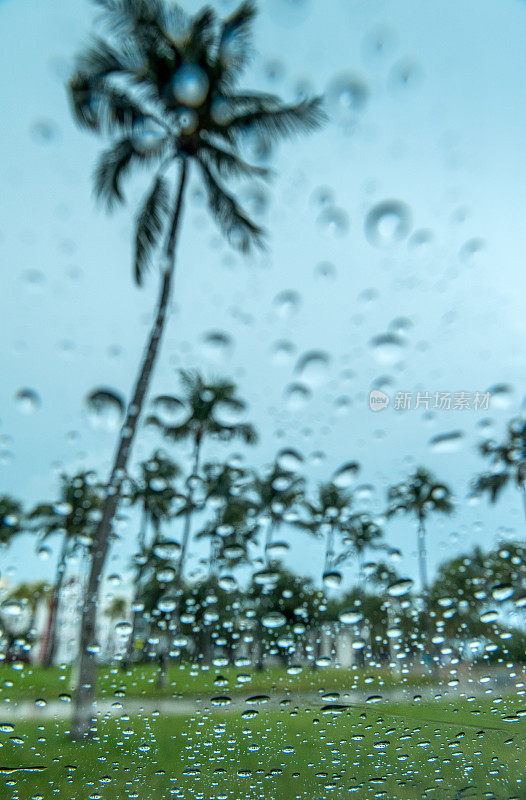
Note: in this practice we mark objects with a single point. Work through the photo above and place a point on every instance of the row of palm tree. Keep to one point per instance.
(243, 505)
(285, 616)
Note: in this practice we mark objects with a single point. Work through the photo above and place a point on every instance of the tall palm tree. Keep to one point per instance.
(420, 495)
(163, 86)
(327, 516)
(277, 493)
(204, 402)
(74, 517)
(11, 513)
(154, 492)
(361, 534)
(507, 462)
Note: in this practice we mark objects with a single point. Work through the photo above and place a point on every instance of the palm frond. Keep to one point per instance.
(228, 164)
(150, 224)
(100, 59)
(234, 44)
(201, 32)
(238, 228)
(112, 167)
(174, 432)
(100, 107)
(287, 121)
(125, 16)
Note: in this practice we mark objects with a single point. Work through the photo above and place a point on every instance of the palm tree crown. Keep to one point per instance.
(10, 519)
(74, 514)
(164, 87)
(204, 400)
(421, 494)
(507, 462)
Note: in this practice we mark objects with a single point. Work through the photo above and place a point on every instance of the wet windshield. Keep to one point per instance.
(262, 433)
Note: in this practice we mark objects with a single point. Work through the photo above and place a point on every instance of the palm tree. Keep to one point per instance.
(155, 494)
(204, 400)
(421, 494)
(223, 487)
(74, 517)
(277, 493)
(163, 86)
(507, 462)
(328, 515)
(11, 513)
(361, 534)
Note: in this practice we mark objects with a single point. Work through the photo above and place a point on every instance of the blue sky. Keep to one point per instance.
(441, 130)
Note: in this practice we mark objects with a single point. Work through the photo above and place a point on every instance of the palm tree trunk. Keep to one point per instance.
(422, 561)
(523, 492)
(329, 550)
(268, 540)
(188, 516)
(187, 531)
(422, 556)
(130, 645)
(83, 706)
(50, 646)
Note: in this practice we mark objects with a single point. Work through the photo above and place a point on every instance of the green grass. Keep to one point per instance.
(33, 682)
(440, 750)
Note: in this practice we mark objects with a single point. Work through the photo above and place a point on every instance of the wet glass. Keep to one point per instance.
(262, 433)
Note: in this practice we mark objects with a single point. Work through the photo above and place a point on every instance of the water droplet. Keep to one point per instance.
(332, 579)
(44, 131)
(347, 95)
(123, 628)
(501, 395)
(190, 85)
(170, 410)
(503, 591)
(148, 137)
(289, 460)
(168, 549)
(449, 442)
(266, 578)
(325, 271)
(27, 401)
(227, 582)
(404, 75)
(282, 352)
(296, 396)
(489, 616)
(400, 587)
(388, 222)
(334, 221)
(217, 346)
(346, 474)
(350, 617)
(167, 604)
(387, 347)
(273, 620)
(286, 304)
(312, 367)
(105, 408)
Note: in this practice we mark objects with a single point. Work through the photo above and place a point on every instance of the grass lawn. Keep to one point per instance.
(433, 750)
(32, 682)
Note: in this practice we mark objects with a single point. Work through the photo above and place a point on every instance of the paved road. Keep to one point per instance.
(24, 709)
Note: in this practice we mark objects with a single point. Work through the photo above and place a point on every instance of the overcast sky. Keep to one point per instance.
(427, 106)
